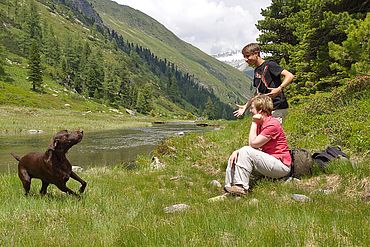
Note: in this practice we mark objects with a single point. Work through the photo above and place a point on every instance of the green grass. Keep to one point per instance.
(124, 207)
(18, 120)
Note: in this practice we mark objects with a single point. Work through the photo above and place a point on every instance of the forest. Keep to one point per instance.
(321, 42)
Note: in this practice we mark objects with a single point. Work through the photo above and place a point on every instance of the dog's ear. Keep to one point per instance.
(53, 144)
(48, 155)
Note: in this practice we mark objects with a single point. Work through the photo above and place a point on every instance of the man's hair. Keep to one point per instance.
(251, 48)
(263, 103)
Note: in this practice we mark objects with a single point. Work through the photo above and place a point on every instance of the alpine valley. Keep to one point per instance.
(89, 54)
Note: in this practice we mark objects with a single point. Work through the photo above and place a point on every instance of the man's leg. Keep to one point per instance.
(280, 114)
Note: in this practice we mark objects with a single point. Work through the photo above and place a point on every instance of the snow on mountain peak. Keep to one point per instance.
(233, 58)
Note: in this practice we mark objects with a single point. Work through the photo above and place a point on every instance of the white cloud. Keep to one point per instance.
(214, 26)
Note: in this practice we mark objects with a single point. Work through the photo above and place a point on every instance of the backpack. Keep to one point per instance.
(330, 153)
(302, 163)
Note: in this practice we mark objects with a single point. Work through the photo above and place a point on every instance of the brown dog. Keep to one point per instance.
(52, 167)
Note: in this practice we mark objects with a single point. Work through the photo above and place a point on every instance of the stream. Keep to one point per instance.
(104, 148)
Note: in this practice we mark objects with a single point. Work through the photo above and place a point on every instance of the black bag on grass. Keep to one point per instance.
(302, 163)
(330, 153)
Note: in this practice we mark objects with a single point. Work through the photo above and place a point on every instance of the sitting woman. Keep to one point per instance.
(267, 153)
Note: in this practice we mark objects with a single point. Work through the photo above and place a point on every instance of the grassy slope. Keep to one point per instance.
(15, 88)
(145, 31)
(125, 208)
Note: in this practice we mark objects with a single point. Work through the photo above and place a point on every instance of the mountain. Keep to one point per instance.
(226, 82)
(235, 59)
(120, 58)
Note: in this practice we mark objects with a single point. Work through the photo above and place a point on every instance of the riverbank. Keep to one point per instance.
(126, 207)
(24, 120)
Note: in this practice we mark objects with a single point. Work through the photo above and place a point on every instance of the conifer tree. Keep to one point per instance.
(34, 67)
(352, 55)
(32, 28)
(143, 102)
(209, 110)
(51, 46)
(111, 85)
(1, 60)
(94, 76)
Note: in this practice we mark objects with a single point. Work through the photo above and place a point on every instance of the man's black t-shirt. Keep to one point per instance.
(268, 75)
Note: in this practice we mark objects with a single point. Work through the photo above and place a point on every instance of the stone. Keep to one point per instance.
(291, 179)
(215, 183)
(176, 208)
(181, 133)
(156, 164)
(77, 169)
(35, 131)
(253, 202)
(300, 198)
(179, 177)
(218, 198)
(131, 112)
(324, 191)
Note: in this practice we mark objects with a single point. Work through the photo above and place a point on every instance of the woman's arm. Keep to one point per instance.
(256, 141)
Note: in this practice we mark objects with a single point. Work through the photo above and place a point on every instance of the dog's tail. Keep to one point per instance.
(16, 157)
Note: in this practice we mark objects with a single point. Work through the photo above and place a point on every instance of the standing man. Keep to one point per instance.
(267, 81)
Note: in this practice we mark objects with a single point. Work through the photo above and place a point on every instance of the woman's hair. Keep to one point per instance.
(251, 49)
(263, 103)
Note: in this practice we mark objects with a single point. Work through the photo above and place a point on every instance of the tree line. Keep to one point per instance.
(82, 65)
(321, 42)
(180, 87)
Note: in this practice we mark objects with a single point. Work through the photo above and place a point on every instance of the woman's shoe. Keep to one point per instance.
(235, 190)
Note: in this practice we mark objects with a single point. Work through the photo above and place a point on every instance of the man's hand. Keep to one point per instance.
(274, 91)
(240, 111)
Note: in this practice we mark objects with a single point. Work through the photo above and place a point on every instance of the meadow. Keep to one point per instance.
(125, 207)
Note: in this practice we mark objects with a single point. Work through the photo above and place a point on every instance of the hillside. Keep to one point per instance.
(56, 46)
(228, 83)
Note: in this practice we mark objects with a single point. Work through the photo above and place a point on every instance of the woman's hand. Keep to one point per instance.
(234, 157)
(257, 118)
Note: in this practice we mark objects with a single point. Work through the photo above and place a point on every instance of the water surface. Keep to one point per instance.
(103, 148)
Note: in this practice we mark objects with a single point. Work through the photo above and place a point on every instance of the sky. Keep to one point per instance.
(214, 26)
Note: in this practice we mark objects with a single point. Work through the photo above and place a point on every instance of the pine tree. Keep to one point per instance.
(209, 109)
(94, 76)
(277, 29)
(51, 46)
(111, 85)
(1, 60)
(34, 67)
(32, 28)
(172, 88)
(352, 55)
(143, 102)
